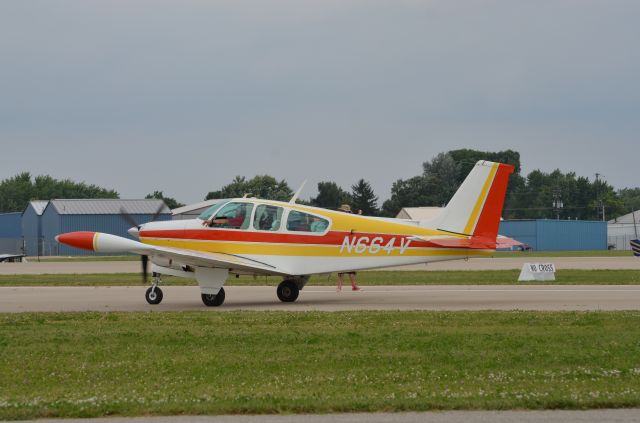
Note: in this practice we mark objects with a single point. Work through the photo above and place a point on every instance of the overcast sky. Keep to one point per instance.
(181, 96)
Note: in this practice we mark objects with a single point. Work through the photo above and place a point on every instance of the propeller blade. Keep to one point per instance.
(145, 266)
(158, 212)
(127, 217)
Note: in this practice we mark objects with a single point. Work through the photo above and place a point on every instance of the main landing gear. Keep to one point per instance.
(211, 300)
(289, 289)
(154, 293)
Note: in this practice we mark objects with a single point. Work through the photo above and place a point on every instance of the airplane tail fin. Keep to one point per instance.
(476, 207)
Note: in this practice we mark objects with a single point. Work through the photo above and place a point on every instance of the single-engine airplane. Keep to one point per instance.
(250, 236)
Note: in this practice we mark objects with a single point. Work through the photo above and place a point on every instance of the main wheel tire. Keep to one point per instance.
(288, 291)
(153, 296)
(211, 300)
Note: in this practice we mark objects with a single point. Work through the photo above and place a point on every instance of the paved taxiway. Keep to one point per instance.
(324, 298)
(565, 416)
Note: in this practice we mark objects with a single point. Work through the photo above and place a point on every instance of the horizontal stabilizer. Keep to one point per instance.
(506, 242)
(474, 242)
(444, 241)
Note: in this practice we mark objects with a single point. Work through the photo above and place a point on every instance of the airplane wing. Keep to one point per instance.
(107, 243)
(218, 260)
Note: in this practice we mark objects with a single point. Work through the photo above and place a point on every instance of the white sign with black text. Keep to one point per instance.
(537, 272)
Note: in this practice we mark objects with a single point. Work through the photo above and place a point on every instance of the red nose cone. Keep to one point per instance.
(82, 240)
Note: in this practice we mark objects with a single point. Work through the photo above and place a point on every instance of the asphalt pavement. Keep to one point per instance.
(325, 298)
(564, 416)
(50, 267)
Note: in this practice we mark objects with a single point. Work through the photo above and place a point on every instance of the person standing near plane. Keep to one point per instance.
(352, 278)
(352, 275)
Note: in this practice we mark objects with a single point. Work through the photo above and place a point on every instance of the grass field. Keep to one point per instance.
(501, 277)
(94, 364)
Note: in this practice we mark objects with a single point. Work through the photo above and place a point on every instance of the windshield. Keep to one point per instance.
(211, 210)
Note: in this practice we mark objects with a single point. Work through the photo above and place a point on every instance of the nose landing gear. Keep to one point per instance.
(154, 293)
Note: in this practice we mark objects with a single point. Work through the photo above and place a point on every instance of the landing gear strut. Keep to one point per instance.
(211, 300)
(154, 293)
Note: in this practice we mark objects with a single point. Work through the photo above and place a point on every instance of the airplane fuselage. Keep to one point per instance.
(348, 242)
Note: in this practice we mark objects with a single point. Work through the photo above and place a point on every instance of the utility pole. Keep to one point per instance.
(598, 200)
(558, 205)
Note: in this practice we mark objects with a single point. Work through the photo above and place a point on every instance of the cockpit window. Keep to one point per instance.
(211, 210)
(233, 216)
(267, 218)
(304, 222)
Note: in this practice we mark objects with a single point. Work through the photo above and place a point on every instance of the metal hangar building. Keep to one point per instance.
(100, 215)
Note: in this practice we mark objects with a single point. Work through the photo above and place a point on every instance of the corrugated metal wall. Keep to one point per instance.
(10, 225)
(557, 235)
(50, 221)
(522, 230)
(11, 233)
(31, 231)
(619, 235)
(108, 223)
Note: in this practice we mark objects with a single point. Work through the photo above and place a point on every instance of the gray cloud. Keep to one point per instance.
(184, 95)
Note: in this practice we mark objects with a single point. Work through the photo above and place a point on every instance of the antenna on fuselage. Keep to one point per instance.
(295, 196)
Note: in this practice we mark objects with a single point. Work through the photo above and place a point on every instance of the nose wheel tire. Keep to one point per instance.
(211, 300)
(153, 295)
(288, 291)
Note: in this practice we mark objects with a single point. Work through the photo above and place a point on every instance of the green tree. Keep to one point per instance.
(330, 196)
(631, 199)
(530, 197)
(607, 196)
(16, 192)
(435, 187)
(261, 186)
(170, 202)
(414, 192)
(581, 198)
(467, 158)
(442, 175)
(363, 198)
